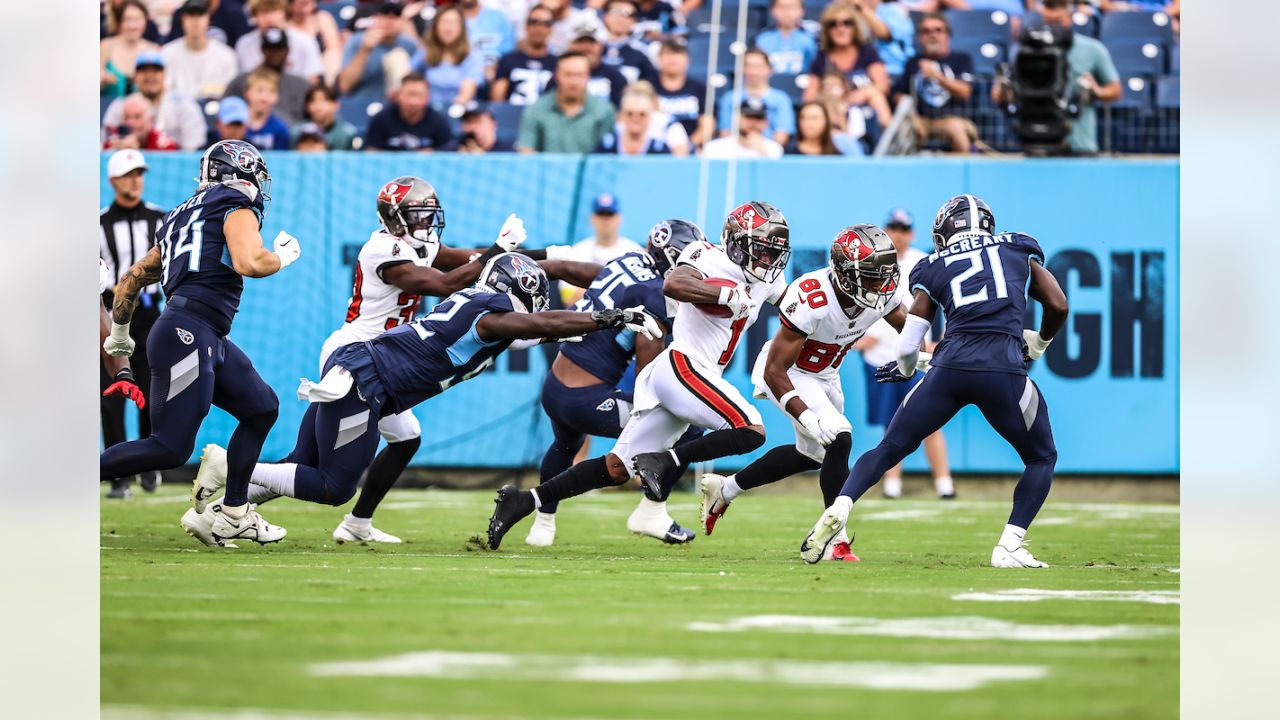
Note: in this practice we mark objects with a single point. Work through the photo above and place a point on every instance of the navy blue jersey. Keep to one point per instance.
(981, 285)
(420, 360)
(193, 248)
(625, 282)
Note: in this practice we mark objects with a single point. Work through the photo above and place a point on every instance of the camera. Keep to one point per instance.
(1037, 93)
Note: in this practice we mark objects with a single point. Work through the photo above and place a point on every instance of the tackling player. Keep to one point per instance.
(580, 393)
(683, 386)
(824, 312)
(406, 365)
(980, 280)
(205, 247)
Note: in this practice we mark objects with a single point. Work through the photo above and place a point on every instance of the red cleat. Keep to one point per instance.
(843, 551)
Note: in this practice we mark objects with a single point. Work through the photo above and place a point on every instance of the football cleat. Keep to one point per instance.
(1019, 557)
(824, 532)
(149, 481)
(946, 488)
(892, 487)
(543, 532)
(650, 467)
(120, 490)
(713, 503)
(200, 527)
(210, 478)
(658, 525)
(347, 533)
(842, 551)
(250, 526)
(513, 505)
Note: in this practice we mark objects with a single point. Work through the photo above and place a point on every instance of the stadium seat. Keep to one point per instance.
(986, 54)
(1118, 27)
(1168, 109)
(976, 26)
(699, 21)
(1138, 92)
(700, 49)
(1169, 92)
(342, 11)
(508, 118)
(1080, 22)
(1175, 59)
(358, 109)
(788, 84)
(1138, 58)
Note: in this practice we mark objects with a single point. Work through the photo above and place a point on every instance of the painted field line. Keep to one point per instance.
(1156, 597)
(942, 628)
(899, 514)
(587, 668)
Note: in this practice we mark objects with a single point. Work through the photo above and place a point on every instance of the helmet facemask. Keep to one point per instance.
(864, 265)
(765, 257)
(422, 224)
(868, 287)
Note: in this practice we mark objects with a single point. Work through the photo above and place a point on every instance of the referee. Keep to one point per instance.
(127, 229)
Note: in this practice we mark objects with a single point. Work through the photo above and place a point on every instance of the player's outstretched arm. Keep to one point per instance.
(580, 274)
(430, 281)
(143, 273)
(914, 328)
(555, 324)
(244, 244)
(1044, 289)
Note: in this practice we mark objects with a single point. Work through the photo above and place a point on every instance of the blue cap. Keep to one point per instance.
(233, 110)
(149, 58)
(606, 203)
(899, 218)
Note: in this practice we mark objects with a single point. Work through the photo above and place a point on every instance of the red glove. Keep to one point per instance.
(124, 385)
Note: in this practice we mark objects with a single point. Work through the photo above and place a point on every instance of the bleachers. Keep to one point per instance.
(978, 26)
(507, 116)
(1138, 58)
(1122, 27)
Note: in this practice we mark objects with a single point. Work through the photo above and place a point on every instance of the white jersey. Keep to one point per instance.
(812, 308)
(708, 340)
(376, 305)
(886, 348)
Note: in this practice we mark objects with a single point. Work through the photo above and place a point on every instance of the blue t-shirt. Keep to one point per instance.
(981, 286)
(932, 99)
(388, 131)
(789, 54)
(857, 75)
(624, 282)
(446, 78)
(777, 106)
(901, 45)
(273, 134)
(490, 35)
(195, 262)
(372, 80)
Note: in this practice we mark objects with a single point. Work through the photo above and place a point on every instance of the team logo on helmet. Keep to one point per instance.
(243, 157)
(393, 192)
(660, 235)
(747, 218)
(853, 247)
(528, 274)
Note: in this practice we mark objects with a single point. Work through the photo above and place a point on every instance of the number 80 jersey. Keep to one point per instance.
(376, 305)
(812, 308)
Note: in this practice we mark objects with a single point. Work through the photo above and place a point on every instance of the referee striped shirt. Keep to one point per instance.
(125, 235)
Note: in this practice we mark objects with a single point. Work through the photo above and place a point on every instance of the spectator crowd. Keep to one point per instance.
(626, 77)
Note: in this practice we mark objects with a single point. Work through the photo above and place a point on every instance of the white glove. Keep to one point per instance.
(736, 300)
(923, 360)
(118, 343)
(1035, 344)
(644, 324)
(561, 252)
(287, 249)
(824, 431)
(512, 233)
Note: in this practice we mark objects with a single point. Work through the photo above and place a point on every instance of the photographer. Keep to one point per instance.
(480, 134)
(1092, 77)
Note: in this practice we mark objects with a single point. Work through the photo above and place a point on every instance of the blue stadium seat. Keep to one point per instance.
(975, 26)
(1175, 59)
(1153, 27)
(787, 84)
(508, 118)
(1169, 92)
(700, 49)
(359, 109)
(813, 9)
(1138, 58)
(1138, 92)
(699, 21)
(1080, 22)
(342, 11)
(986, 54)
(1168, 108)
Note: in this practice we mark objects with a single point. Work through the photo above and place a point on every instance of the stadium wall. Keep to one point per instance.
(1109, 228)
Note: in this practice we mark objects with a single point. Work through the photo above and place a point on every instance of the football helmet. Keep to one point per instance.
(864, 265)
(668, 239)
(964, 215)
(520, 279)
(409, 208)
(238, 164)
(756, 237)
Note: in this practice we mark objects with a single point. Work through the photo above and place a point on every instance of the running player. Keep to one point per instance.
(980, 280)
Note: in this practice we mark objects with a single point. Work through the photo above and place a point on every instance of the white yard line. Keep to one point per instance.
(1156, 597)
(945, 628)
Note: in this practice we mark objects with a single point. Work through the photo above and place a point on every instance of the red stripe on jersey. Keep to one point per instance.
(705, 391)
(353, 310)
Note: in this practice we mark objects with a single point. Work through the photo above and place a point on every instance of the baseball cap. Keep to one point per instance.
(194, 7)
(475, 110)
(274, 38)
(899, 218)
(311, 130)
(606, 204)
(149, 58)
(233, 110)
(390, 8)
(588, 27)
(123, 162)
(753, 107)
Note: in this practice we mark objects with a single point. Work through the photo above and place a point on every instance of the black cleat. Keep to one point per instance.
(120, 490)
(149, 481)
(513, 505)
(651, 467)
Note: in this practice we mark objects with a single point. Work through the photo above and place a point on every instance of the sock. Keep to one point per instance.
(651, 508)
(777, 464)
(275, 477)
(1012, 537)
(235, 511)
(352, 520)
(835, 467)
(1031, 491)
(585, 476)
(718, 444)
(383, 473)
(843, 504)
(730, 489)
(259, 494)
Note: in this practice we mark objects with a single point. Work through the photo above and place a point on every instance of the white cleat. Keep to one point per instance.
(713, 503)
(210, 478)
(200, 527)
(543, 532)
(828, 528)
(251, 526)
(1019, 557)
(945, 487)
(893, 487)
(347, 533)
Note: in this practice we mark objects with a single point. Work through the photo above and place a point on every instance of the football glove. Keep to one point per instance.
(824, 431)
(287, 249)
(633, 318)
(1036, 345)
(124, 385)
(118, 343)
(512, 234)
(736, 300)
(889, 373)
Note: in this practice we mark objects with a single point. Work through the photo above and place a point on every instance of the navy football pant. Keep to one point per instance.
(336, 442)
(1011, 403)
(575, 413)
(193, 367)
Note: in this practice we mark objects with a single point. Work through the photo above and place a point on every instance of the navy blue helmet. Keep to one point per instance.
(229, 161)
(520, 279)
(962, 214)
(668, 239)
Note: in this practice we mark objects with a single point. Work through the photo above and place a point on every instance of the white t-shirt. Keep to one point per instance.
(588, 250)
(203, 74)
(729, 147)
(886, 349)
(376, 305)
(812, 308)
(708, 340)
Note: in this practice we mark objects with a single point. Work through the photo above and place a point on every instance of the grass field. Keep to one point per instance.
(607, 624)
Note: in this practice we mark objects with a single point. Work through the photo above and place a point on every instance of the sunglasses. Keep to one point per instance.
(538, 23)
(845, 22)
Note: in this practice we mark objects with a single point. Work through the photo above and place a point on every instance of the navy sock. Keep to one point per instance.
(777, 464)
(385, 469)
(1031, 491)
(586, 475)
(243, 451)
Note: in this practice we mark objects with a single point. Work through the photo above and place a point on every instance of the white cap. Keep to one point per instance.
(125, 161)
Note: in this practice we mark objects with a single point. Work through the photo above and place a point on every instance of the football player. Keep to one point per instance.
(824, 312)
(980, 281)
(580, 393)
(205, 247)
(117, 366)
(366, 381)
(720, 290)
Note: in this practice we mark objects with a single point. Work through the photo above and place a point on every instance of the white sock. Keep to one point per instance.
(537, 501)
(545, 517)
(650, 508)
(843, 503)
(357, 522)
(236, 512)
(730, 488)
(276, 477)
(259, 494)
(1012, 537)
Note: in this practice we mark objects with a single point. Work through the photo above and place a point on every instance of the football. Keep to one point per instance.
(716, 309)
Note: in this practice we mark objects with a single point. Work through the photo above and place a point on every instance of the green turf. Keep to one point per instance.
(189, 627)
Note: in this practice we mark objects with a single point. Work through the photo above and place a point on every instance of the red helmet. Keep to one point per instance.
(409, 208)
(756, 237)
(864, 265)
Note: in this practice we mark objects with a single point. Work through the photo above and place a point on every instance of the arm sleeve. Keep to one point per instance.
(913, 333)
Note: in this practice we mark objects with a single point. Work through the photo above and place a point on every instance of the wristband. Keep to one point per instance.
(284, 260)
(725, 292)
(786, 397)
(125, 374)
(1037, 342)
(119, 333)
